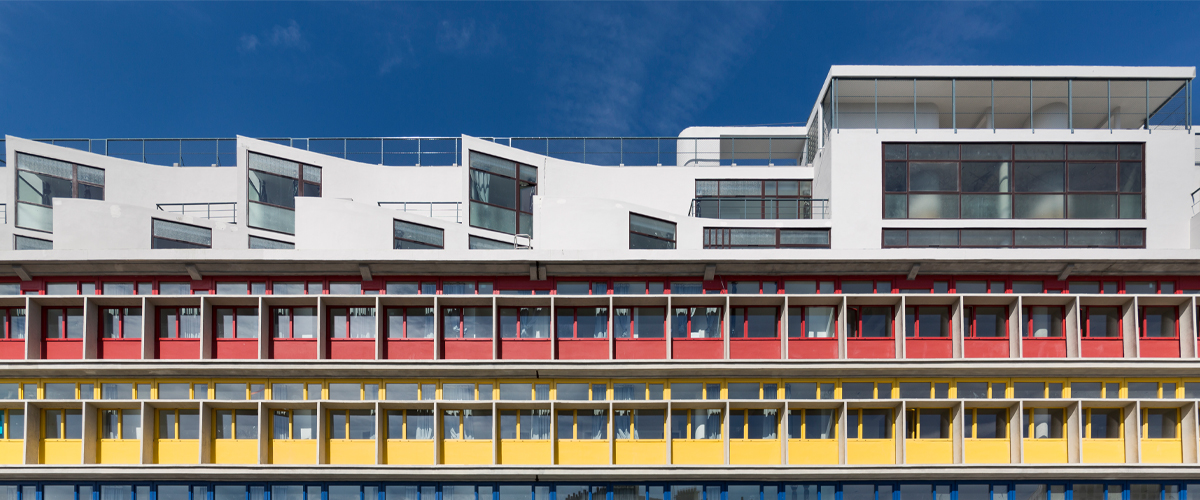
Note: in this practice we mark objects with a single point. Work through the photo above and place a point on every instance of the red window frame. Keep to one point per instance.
(915, 334)
(387, 324)
(120, 322)
(7, 312)
(500, 325)
(803, 313)
(462, 314)
(1087, 322)
(349, 321)
(63, 324)
(1142, 321)
(1027, 322)
(856, 324)
(158, 323)
(291, 322)
(233, 311)
(745, 312)
(633, 322)
(687, 331)
(575, 322)
(971, 332)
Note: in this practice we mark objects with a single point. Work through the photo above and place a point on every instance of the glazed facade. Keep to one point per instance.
(952, 282)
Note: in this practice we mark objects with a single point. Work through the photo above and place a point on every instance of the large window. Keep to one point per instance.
(1013, 181)
(502, 194)
(166, 234)
(736, 237)
(274, 186)
(1014, 238)
(40, 180)
(650, 233)
(753, 199)
(406, 235)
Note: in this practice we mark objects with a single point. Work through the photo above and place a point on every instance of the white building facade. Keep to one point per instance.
(954, 282)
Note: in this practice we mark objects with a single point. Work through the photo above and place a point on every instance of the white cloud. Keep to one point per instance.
(464, 37)
(279, 37)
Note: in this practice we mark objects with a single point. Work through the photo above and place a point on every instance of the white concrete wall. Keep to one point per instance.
(105, 225)
(337, 224)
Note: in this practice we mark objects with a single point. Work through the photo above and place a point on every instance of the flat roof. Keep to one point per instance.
(1106, 72)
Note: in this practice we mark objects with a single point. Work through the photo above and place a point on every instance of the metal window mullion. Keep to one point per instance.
(954, 104)
(1108, 105)
(914, 105)
(1148, 106)
(876, 97)
(1071, 105)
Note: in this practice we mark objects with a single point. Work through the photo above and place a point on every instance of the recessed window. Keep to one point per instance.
(121, 322)
(477, 243)
(257, 243)
(166, 234)
(753, 199)
(274, 186)
(40, 180)
(27, 243)
(502, 194)
(650, 233)
(1014, 238)
(1013, 181)
(407, 235)
(722, 237)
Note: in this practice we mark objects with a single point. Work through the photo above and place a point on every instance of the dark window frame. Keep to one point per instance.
(687, 331)
(396, 241)
(765, 199)
(291, 324)
(745, 334)
(1086, 320)
(575, 322)
(155, 240)
(7, 313)
(64, 321)
(854, 330)
(1141, 318)
(884, 235)
(75, 182)
(719, 238)
(916, 334)
(971, 331)
(674, 243)
(233, 313)
(404, 334)
(174, 334)
(121, 313)
(1027, 323)
(301, 183)
(804, 322)
(517, 183)
(1012, 167)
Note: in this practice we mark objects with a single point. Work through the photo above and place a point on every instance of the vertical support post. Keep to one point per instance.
(1108, 106)
(1031, 127)
(914, 104)
(993, 107)
(836, 125)
(1147, 96)
(954, 104)
(1071, 105)
(876, 97)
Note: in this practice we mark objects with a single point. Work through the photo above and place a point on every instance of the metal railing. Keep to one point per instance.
(447, 151)
(444, 210)
(223, 211)
(764, 207)
(1195, 202)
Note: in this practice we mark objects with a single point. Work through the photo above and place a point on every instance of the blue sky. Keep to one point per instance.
(215, 69)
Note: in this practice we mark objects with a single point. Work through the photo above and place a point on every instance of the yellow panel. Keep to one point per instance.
(1103, 451)
(527, 452)
(929, 451)
(1045, 451)
(1162, 451)
(812, 452)
(408, 452)
(583, 452)
(870, 451)
(467, 452)
(123, 451)
(177, 451)
(12, 451)
(66, 451)
(987, 451)
(292, 451)
(642, 451)
(235, 451)
(352, 451)
(755, 452)
(698, 451)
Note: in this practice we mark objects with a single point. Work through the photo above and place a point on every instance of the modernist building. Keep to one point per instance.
(955, 283)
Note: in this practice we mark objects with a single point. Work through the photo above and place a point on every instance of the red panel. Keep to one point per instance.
(919, 348)
(351, 348)
(178, 349)
(583, 349)
(524, 348)
(409, 349)
(293, 349)
(697, 348)
(62, 349)
(235, 349)
(467, 349)
(641, 349)
(870, 348)
(120, 348)
(985, 347)
(1158, 348)
(1043, 348)
(812, 348)
(1102, 348)
(754, 349)
(12, 349)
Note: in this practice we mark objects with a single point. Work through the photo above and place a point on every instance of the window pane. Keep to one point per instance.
(1092, 206)
(933, 206)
